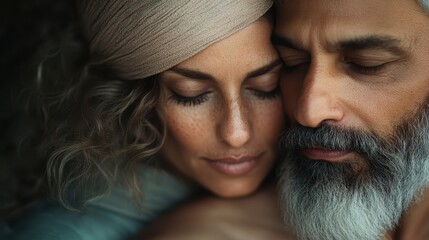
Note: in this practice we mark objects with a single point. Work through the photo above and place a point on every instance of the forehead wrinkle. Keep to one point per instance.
(322, 17)
(303, 32)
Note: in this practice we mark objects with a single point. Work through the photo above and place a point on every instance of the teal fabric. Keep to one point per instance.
(114, 217)
(4, 229)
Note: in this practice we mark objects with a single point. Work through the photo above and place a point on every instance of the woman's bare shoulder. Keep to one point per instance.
(253, 217)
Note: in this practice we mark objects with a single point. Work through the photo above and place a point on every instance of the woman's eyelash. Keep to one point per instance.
(267, 95)
(188, 101)
(197, 100)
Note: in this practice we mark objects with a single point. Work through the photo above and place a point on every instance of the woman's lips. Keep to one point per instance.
(233, 166)
(326, 154)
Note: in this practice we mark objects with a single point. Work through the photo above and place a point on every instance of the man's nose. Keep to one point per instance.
(318, 99)
(235, 129)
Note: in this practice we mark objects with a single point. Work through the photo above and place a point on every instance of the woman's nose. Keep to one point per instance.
(234, 127)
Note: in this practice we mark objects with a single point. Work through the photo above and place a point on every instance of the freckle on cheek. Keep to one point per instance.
(183, 127)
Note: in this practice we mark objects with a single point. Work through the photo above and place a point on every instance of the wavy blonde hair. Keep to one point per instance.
(95, 125)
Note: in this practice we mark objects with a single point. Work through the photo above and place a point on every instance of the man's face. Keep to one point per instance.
(356, 90)
(361, 64)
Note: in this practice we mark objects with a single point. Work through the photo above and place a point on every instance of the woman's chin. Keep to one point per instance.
(240, 190)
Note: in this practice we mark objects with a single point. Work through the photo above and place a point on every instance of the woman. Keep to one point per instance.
(166, 96)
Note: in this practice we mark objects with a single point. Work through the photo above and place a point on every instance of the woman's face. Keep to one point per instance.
(223, 112)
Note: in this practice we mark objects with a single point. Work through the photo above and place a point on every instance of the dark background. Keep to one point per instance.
(24, 26)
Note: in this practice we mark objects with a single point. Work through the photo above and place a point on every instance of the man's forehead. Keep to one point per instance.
(332, 21)
(343, 9)
(351, 3)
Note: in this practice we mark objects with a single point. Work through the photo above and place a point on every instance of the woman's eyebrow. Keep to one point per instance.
(264, 69)
(194, 74)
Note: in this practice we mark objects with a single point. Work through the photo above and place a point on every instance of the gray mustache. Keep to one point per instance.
(330, 137)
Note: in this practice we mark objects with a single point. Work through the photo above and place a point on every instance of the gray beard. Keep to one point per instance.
(322, 200)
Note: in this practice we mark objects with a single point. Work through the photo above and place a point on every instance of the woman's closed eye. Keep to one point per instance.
(266, 94)
(189, 100)
(267, 86)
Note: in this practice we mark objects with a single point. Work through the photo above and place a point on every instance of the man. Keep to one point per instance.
(356, 90)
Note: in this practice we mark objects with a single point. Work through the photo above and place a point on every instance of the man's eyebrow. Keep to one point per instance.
(278, 40)
(370, 42)
(359, 43)
(264, 69)
(194, 74)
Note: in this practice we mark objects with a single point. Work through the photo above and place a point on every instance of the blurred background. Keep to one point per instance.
(24, 26)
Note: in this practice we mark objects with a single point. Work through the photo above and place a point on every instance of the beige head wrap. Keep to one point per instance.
(140, 38)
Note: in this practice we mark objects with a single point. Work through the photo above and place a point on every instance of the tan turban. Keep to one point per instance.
(140, 38)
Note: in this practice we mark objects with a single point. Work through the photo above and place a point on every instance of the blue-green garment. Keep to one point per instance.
(114, 217)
